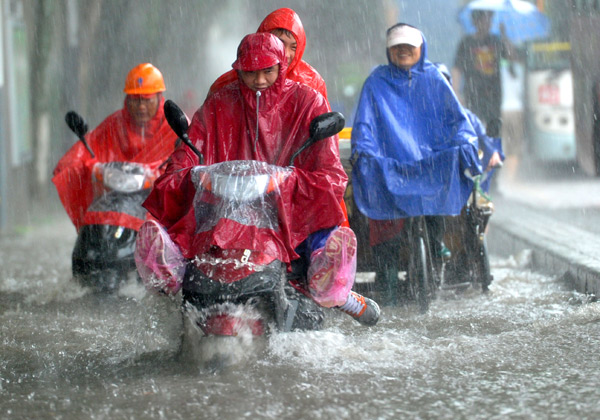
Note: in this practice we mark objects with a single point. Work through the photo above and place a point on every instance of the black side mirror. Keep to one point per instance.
(321, 127)
(76, 123)
(326, 125)
(179, 124)
(176, 118)
(78, 126)
(494, 127)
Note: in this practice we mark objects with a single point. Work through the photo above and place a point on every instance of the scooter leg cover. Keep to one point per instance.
(158, 259)
(333, 268)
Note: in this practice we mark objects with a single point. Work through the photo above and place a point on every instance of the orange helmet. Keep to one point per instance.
(144, 79)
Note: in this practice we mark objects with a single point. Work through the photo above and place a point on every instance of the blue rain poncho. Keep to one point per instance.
(411, 142)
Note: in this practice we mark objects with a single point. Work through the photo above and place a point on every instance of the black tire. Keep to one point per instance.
(437, 268)
(481, 272)
(423, 273)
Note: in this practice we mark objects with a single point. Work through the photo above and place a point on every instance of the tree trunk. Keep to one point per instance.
(39, 19)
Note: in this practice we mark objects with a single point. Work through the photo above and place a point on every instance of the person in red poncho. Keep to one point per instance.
(264, 116)
(287, 26)
(138, 132)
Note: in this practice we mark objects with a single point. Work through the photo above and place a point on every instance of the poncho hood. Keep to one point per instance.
(298, 70)
(287, 19)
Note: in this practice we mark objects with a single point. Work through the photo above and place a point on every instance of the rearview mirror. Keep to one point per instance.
(326, 125)
(76, 123)
(321, 127)
(179, 124)
(176, 118)
(78, 126)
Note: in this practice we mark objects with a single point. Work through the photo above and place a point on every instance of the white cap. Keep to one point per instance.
(404, 35)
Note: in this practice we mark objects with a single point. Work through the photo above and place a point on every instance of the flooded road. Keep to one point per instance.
(527, 350)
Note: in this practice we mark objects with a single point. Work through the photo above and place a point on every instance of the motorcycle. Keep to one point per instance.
(243, 292)
(102, 257)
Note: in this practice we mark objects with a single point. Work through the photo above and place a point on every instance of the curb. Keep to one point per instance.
(557, 248)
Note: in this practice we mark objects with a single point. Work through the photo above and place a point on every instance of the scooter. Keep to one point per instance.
(242, 292)
(102, 257)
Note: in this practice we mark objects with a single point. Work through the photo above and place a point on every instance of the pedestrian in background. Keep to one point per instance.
(476, 71)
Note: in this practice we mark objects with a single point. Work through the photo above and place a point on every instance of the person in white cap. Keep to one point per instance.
(411, 142)
(404, 46)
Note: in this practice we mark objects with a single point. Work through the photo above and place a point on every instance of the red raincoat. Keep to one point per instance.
(116, 139)
(224, 129)
(299, 70)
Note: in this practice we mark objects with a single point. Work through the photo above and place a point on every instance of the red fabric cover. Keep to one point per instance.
(299, 70)
(224, 129)
(231, 325)
(381, 231)
(112, 218)
(116, 139)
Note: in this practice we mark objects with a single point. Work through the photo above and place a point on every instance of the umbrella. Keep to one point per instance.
(522, 20)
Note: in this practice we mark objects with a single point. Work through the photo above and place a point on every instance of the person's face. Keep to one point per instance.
(483, 23)
(405, 56)
(289, 43)
(260, 80)
(142, 108)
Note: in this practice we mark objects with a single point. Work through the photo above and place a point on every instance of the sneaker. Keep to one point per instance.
(364, 310)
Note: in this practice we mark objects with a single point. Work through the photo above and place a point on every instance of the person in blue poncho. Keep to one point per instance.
(411, 143)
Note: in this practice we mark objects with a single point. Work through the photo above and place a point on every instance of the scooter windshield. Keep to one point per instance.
(242, 191)
(124, 177)
(120, 187)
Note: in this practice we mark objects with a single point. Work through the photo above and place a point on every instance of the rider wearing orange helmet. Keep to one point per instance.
(138, 133)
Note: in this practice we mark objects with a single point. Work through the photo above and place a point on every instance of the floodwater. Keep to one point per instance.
(529, 349)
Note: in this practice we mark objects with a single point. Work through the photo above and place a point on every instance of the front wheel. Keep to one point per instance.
(419, 274)
(480, 270)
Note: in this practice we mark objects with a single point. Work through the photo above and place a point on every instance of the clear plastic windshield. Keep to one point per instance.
(120, 187)
(242, 191)
(123, 177)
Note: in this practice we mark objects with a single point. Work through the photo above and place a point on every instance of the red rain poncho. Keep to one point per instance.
(116, 139)
(298, 70)
(224, 129)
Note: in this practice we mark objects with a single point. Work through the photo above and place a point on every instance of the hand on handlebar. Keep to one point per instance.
(495, 162)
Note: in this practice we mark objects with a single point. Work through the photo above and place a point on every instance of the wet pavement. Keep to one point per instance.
(522, 351)
(554, 211)
(69, 354)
